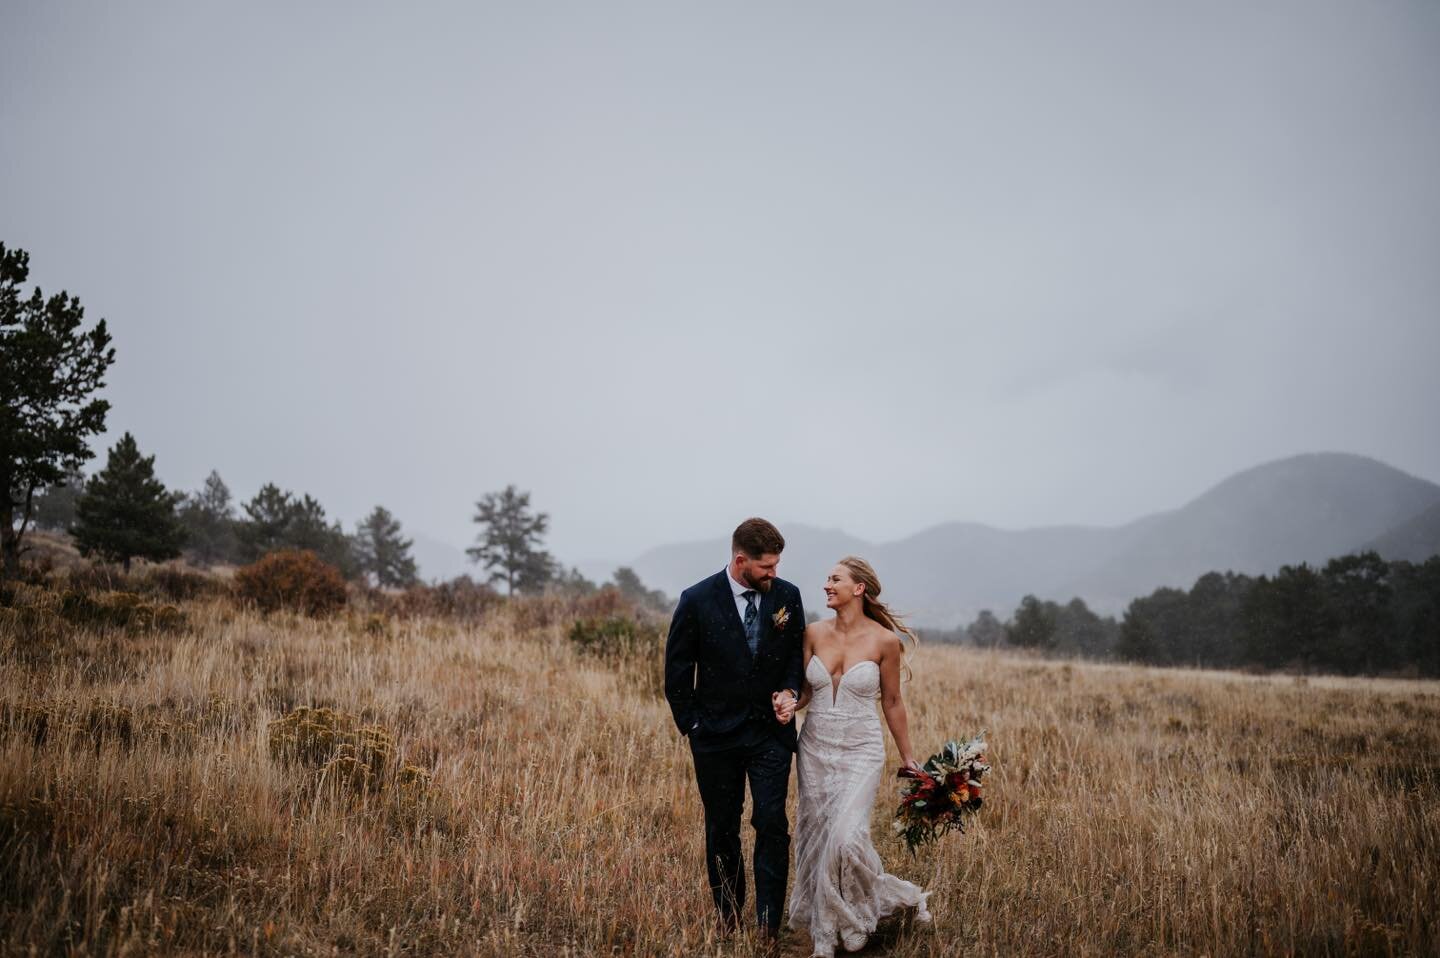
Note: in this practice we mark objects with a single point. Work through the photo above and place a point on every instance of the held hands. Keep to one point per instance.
(784, 704)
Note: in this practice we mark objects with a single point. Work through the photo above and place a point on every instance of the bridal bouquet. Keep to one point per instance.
(936, 799)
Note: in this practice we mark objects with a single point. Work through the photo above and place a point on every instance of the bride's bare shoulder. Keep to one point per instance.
(816, 628)
(886, 641)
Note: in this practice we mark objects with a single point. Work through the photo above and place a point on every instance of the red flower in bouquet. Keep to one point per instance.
(936, 797)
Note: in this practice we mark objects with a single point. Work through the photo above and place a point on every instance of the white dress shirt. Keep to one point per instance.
(737, 589)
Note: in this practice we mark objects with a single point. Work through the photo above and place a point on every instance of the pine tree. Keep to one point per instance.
(381, 552)
(1034, 624)
(50, 369)
(55, 506)
(628, 582)
(267, 518)
(509, 546)
(209, 521)
(275, 519)
(986, 631)
(126, 513)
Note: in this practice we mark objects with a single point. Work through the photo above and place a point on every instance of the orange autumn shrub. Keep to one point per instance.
(295, 579)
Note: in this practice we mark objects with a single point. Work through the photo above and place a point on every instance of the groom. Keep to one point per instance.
(732, 677)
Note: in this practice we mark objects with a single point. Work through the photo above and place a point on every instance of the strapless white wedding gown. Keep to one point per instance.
(841, 888)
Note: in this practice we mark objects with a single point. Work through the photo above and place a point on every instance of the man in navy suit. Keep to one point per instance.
(732, 677)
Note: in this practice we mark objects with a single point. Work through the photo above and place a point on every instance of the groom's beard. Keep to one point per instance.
(761, 586)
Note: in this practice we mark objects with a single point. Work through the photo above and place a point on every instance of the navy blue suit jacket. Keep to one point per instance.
(718, 692)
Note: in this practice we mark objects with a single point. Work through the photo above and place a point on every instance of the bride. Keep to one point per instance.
(841, 888)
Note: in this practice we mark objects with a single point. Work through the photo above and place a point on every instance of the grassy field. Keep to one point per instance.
(481, 787)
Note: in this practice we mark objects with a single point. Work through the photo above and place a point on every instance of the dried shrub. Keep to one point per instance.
(606, 638)
(120, 610)
(295, 579)
(607, 603)
(460, 598)
(95, 723)
(94, 577)
(344, 760)
(36, 614)
(319, 737)
(178, 584)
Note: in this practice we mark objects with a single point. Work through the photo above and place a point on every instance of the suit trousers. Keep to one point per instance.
(721, 774)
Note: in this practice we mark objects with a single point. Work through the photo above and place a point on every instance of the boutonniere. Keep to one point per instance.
(781, 617)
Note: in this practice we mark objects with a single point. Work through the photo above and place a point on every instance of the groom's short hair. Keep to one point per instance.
(755, 538)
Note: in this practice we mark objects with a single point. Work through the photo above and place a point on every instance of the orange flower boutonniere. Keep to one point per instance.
(781, 617)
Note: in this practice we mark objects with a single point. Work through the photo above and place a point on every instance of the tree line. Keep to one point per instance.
(51, 369)
(1357, 614)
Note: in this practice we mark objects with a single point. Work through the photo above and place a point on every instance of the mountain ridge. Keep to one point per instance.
(1305, 508)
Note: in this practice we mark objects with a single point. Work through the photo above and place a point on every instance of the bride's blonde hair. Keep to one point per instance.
(863, 573)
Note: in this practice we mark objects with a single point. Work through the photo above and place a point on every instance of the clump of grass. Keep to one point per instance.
(318, 737)
(120, 610)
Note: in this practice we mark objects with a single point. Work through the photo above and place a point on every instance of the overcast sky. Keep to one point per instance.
(867, 266)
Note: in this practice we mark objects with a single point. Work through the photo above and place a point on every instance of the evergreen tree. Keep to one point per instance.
(1358, 592)
(986, 631)
(1286, 620)
(1033, 626)
(50, 369)
(381, 552)
(1158, 629)
(126, 513)
(275, 519)
(209, 521)
(573, 582)
(1417, 613)
(1137, 637)
(1079, 631)
(55, 505)
(509, 544)
(630, 586)
(267, 517)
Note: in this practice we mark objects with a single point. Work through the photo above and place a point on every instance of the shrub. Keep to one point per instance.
(119, 610)
(461, 598)
(607, 638)
(292, 579)
(318, 737)
(179, 585)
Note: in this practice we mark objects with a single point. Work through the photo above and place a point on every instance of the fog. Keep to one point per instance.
(857, 266)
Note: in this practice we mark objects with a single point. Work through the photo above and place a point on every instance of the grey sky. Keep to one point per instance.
(869, 266)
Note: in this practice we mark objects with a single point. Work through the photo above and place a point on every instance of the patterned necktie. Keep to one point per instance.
(752, 620)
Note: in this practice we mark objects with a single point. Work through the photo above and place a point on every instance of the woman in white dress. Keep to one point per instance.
(841, 888)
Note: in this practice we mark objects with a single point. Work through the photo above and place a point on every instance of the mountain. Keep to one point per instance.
(1414, 540)
(1307, 508)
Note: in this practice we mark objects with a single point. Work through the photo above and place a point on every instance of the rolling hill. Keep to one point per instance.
(1306, 508)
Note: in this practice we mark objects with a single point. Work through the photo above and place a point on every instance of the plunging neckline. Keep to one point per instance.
(835, 682)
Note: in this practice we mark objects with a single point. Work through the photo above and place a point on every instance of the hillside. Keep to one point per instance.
(1307, 508)
(1414, 540)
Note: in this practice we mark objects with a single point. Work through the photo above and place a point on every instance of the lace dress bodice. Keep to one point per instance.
(841, 888)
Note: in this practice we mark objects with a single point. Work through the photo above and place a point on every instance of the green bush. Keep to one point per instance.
(610, 637)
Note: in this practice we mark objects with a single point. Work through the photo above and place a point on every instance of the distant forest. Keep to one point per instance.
(1357, 615)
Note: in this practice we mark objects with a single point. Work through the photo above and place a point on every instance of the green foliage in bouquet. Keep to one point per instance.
(937, 798)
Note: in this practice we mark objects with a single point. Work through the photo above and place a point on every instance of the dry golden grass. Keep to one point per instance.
(504, 794)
